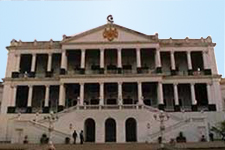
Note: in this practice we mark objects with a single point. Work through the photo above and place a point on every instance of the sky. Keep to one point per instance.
(45, 20)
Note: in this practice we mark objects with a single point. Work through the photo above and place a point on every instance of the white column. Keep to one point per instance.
(17, 64)
(13, 101)
(82, 63)
(64, 60)
(209, 93)
(193, 99)
(205, 59)
(101, 102)
(189, 60)
(46, 95)
(33, 65)
(81, 94)
(138, 57)
(140, 97)
(160, 93)
(49, 62)
(102, 58)
(172, 59)
(157, 58)
(120, 94)
(62, 95)
(175, 94)
(30, 95)
(119, 58)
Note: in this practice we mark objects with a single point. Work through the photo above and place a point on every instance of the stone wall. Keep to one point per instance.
(222, 83)
(1, 93)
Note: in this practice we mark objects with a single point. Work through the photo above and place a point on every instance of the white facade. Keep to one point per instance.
(222, 84)
(1, 93)
(110, 81)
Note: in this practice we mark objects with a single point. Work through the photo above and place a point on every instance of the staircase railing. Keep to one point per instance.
(107, 107)
(170, 128)
(45, 127)
(156, 110)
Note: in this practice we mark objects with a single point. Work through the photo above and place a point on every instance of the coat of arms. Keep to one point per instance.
(110, 32)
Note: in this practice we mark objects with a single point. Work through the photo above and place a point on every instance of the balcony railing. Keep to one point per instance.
(127, 69)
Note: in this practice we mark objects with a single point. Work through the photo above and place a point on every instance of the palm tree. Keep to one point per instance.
(219, 129)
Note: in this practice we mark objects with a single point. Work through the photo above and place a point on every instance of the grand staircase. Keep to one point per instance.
(41, 124)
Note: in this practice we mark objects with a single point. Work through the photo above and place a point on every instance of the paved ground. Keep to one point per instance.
(114, 146)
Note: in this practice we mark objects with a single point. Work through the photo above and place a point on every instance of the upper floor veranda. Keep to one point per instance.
(98, 52)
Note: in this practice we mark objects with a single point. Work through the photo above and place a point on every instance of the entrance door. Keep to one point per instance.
(110, 130)
(131, 130)
(90, 130)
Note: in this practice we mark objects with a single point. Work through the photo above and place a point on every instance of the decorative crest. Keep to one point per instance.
(110, 32)
(110, 19)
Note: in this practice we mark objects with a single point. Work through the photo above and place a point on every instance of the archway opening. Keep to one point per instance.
(110, 130)
(131, 130)
(89, 130)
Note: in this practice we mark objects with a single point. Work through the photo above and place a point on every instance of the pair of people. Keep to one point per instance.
(81, 135)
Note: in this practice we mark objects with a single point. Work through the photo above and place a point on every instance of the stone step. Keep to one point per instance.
(86, 146)
(117, 146)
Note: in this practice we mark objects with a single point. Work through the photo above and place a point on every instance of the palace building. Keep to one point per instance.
(112, 82)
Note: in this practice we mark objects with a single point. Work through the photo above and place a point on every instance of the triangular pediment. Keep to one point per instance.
(109, 33)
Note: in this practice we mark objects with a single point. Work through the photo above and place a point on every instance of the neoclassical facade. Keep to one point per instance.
(110, 81)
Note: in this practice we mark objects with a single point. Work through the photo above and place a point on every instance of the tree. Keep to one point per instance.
(219, 129)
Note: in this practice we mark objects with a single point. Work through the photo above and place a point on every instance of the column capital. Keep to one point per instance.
(61, 84)
(138, 48)
(30, 86)
(50, 53)
(205, 52)
(81, 83)
(172, 52)
(83, 50)
(209, 83)
(188, 52)
(119, 49)
(47, 86)
(139, 82)
(34, 54)
(101, 83)
(157, 47)
(119, 83)
(175, 84)
(17, 55)
(102, 49)
(192, 84)
(13, 86)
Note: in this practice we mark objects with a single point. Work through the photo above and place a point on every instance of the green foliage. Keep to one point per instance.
(219, 129)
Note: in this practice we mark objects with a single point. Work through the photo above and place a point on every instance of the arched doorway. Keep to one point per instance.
(89, 127)
(110, 130)
(131, 130)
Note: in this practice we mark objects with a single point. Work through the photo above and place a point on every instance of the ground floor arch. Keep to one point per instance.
(110, 130)
(131, 130)
(89, 131)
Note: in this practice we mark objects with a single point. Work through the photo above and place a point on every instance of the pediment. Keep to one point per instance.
(106, 32)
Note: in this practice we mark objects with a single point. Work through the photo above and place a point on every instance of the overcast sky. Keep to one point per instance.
(43, 20)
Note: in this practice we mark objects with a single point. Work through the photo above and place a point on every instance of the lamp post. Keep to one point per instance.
(148, 128)
(51, 118)
(71, 130)
(161, 118)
